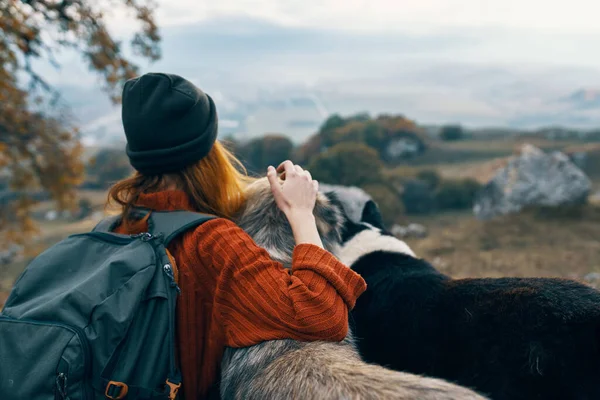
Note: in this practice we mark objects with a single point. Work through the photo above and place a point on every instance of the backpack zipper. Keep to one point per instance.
(161, 252)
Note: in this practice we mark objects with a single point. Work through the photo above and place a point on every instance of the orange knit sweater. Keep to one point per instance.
(233, 294)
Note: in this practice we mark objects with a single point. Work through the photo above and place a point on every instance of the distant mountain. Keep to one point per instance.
(584, 99)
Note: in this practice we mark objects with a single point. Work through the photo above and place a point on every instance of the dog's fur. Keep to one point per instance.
(288, 369)
(509, 338)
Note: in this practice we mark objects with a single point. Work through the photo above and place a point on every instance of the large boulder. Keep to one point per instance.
(532, 178)
(353, 198)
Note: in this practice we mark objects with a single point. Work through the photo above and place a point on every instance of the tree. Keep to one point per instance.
(351, 164)
(430, 176)
(452, 132)
(38, 148)
(259, 153)
(109, 166)
(418, 197)
(333, 122)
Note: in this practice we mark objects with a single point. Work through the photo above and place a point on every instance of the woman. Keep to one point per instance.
(232, 293)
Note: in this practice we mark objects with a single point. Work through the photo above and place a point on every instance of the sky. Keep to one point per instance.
(541, 33)
(480, 62)
(559, 16)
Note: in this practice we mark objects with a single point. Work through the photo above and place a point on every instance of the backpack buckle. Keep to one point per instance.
(116, 390)
(173, 389)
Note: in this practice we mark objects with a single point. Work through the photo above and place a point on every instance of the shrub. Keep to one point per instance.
(350, 164)
(259, 153)
(452, 132)
(109, 166)
(456, 194)
(387, 199)
(432, 177)
(85, 208)
(417, 197)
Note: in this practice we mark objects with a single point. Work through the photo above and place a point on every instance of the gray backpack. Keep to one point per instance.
(93, 317)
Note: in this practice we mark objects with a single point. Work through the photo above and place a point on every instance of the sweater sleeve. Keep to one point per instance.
(258, 299)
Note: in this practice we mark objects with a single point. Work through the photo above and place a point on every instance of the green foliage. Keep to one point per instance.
(333, 122)
(431, 176)
(456, 194)
(41, 150)
(384, 134)
(418, 197)
(352, 164)
(109, 166)
(387, 199)
(85, 208)
(259, 153)
(452, 132)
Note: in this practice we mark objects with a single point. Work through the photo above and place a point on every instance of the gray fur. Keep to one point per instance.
(289, 369)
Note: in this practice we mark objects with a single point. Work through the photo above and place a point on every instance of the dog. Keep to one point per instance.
(507, 338)
(289, 369)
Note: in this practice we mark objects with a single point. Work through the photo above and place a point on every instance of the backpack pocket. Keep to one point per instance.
(43, 361)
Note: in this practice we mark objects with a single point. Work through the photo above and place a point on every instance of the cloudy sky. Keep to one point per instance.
(475, 61)
(573, 16)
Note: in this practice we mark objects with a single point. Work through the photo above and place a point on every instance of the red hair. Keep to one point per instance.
(214, 185)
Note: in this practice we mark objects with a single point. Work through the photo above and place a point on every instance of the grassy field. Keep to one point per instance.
(533, 243)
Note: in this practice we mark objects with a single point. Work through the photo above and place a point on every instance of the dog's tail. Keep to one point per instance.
(322, 370)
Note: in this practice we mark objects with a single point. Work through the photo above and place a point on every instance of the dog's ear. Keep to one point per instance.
(372, 215)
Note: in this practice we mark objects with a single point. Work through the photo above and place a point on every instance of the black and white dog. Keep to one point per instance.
(508, 338)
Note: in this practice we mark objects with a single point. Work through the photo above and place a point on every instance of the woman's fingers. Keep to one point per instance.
(286, 166)
(274, 182)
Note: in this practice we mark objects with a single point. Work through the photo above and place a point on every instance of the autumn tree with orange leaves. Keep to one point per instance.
(39, 149)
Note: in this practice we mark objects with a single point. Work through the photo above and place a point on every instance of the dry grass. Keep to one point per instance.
(533, 243)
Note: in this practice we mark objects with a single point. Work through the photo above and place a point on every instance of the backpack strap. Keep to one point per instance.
(107, 224)
(172, 223)
(168, 223)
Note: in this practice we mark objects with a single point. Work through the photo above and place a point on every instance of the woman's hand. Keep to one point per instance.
(296, 197)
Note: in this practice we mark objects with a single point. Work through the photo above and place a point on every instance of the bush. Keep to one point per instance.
(309, 149)
(452, 132)
(259, 153)
(456, 194)
(350, 164)
(387, 200)
(109, 166)
(432, 177)
(333, 122)
(85, 208)
(418, 197)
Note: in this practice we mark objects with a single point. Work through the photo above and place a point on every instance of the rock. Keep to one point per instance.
(593, 279)
(51, 215)
(10, 255)
(353, 199)
(403, 147)
(532, 178)
(411, 231)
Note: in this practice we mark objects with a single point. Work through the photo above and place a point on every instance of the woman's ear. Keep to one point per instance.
(371, 215)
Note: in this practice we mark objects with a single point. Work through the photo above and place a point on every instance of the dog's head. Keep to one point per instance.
(359, 238)
(268, 226)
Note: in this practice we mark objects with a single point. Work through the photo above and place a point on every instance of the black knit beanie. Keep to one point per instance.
(169, 123)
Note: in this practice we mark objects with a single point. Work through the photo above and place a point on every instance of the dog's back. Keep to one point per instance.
(512, 338)
(287, 369)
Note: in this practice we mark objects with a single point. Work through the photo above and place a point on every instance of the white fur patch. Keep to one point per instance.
(369, 241)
